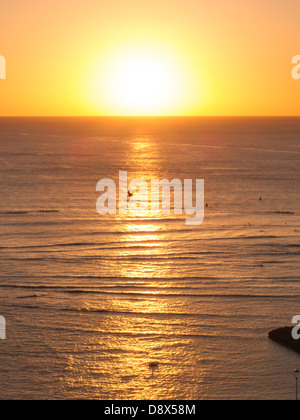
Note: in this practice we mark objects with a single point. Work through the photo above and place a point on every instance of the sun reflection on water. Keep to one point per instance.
(140, 322)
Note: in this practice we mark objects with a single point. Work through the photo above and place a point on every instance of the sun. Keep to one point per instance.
(142, 84)
(138, 81)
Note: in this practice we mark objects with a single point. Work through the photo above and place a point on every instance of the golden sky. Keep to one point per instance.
(149, 57)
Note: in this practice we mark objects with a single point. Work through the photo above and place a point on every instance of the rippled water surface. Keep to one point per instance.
(91, 300)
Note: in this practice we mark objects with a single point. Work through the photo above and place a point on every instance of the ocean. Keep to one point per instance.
(91, 300)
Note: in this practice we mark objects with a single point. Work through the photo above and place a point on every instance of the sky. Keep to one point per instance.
(149, 57)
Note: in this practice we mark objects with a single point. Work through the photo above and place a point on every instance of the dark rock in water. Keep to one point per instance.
(284, 337)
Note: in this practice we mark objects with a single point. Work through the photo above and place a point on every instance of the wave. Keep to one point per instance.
(292, 246)
(194, 259)
(137, 313)
(143, 279)
(17, 212)
(158, 294)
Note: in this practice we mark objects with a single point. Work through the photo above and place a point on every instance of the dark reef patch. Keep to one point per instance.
(284, 337)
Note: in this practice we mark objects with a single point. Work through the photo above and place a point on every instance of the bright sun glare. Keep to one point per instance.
(138, 82)
(142, 84)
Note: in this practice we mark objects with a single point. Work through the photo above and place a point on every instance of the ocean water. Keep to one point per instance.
(91, 300)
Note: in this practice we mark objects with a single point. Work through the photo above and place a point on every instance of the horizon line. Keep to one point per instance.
(150, 116)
